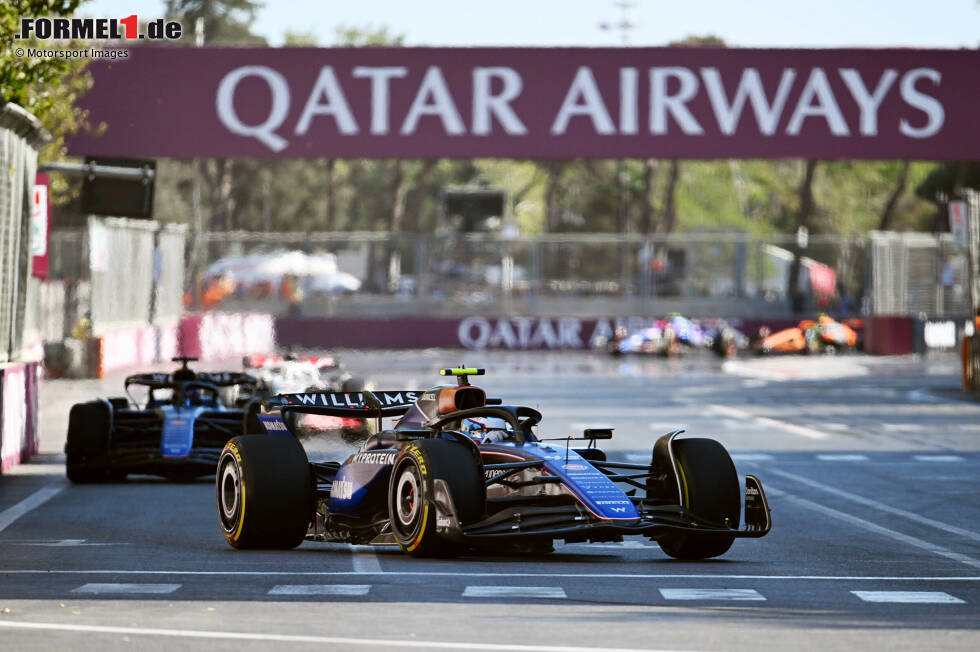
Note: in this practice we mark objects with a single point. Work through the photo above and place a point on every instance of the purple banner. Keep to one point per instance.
(474, 332)
(535, 103)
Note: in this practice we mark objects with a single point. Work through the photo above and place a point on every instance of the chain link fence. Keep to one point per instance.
(593, 274)
(118, 271)
(919, 273)
(20, 137)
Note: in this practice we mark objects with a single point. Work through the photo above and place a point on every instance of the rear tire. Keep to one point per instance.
(411, 494)
(264, 492)
(710, 489)
(88, 439)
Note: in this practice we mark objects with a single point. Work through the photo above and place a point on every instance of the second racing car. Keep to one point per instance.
(459, 472)
(176, 428)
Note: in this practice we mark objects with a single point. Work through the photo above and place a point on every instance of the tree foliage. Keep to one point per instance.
(48, 87)
(226, 22)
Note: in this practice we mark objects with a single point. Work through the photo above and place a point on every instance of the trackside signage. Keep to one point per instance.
(541, 103)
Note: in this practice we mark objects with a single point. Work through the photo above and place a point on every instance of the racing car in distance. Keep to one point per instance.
(823, 335)
(177, 431)
(289, 373)
(667, 337)
(460, 473)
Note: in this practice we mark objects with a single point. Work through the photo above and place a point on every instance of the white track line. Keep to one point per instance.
(539, 592)
(711, 594)
(296, 638)
(874, 504)
(736, 413)
(842, 457)
(898, 536)
(938, 458)
(35, 500)
(908, 597)
(464, 574)
(114, 588)
(365, 559)
(320, 589)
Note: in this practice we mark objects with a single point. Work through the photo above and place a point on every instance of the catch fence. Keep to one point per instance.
(20, 138)
(118, 271)
(592, 274)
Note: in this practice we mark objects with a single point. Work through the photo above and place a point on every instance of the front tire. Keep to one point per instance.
(264, 492)
(411, 494)
(711, 490)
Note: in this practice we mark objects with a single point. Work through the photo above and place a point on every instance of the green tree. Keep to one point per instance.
(48, 87)
(225, 21)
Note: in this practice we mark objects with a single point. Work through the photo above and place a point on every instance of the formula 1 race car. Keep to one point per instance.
(824, 334)
(177, 431)
(666, 337)
(289, 373)
(459, 473)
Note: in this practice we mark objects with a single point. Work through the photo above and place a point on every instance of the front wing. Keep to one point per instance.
(574, 523)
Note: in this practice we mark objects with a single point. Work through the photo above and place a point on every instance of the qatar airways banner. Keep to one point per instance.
(535, 103)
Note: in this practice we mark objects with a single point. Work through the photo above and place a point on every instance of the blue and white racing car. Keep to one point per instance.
(176, 429)
(459, 472)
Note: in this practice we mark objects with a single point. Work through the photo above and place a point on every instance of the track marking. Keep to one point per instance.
(711, 594)
(126, 588)
(908, 597)
(868, 502)
(464, 574)
(514, 592)
(792, 428)
(842, 457)
(35, 500)
(320, 589)
(365, 559)
(902, 427)
(938, 458)
(297, 638)
(63, 543)
(898, 536)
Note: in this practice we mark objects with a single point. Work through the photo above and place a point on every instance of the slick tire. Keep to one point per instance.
(411, 494)
(87, 441)
(265, 492)
(710, 489)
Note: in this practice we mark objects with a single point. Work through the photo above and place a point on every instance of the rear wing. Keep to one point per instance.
(226, 378)
(216, 378)
(342, 404)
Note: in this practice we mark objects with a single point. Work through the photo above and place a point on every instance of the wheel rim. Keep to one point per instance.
(407, 498)
(230, 490)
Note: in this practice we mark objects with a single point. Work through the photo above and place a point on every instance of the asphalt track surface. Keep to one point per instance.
(869, 464)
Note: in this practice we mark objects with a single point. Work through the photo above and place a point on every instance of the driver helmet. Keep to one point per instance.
(487, 429)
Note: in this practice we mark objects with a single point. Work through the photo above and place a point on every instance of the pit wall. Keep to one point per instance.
(18, 412)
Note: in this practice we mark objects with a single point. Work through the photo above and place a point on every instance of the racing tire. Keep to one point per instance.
(411, 494)
(88, 437)
(264, 492)
(711, 490)
(724, 344)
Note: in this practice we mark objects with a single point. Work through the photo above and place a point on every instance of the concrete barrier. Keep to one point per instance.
(18, 412)
(219, 335)
(127, 347)
(474, 332)
(889, 335)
